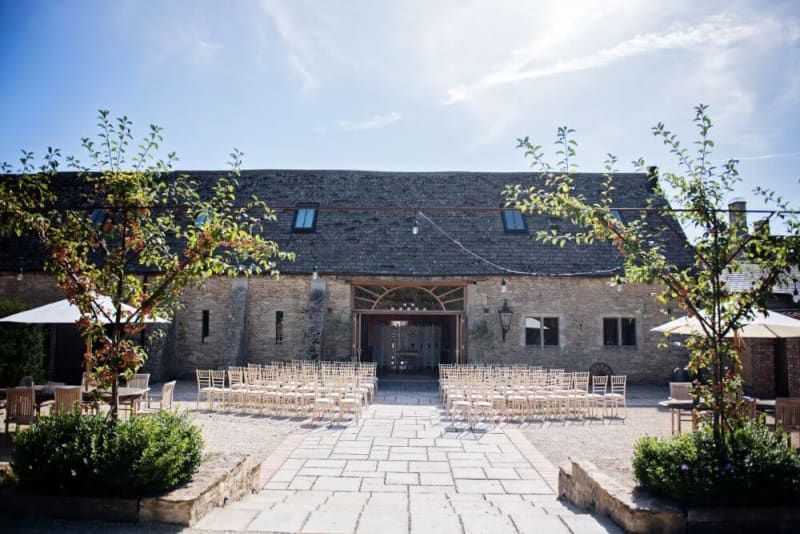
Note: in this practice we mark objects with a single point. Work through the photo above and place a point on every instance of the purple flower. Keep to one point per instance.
(684, 467)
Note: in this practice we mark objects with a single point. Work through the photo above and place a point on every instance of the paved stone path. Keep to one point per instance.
(404, 469)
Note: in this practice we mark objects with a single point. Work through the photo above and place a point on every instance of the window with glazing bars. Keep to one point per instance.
(619, 331)
(541, 331)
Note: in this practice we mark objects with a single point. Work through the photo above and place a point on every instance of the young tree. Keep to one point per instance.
(697, 199)
(107, 224)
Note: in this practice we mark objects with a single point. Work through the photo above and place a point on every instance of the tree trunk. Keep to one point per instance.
(115, 399)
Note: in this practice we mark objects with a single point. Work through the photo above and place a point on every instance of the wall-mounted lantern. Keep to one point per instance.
(505, 318)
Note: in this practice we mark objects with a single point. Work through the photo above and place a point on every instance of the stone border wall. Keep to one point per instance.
(639, 512)
(588, 488)
(222, 478)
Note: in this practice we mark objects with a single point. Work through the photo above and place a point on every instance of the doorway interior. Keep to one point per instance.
(407, 328)
(408, 346)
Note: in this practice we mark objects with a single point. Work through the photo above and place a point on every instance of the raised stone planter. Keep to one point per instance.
(221, 479)
(637, 511)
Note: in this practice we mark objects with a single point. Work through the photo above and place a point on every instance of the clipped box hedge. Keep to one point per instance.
(756, 467)
(88, 455)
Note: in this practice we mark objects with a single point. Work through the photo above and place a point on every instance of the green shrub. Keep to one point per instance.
(87, 455)
(21, 348)
(758, 467)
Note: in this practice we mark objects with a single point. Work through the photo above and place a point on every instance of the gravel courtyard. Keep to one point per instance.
(235, 431)
(608, 445)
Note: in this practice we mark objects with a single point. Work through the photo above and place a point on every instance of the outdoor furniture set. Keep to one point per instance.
(684, 408)
(524, 393)
(296, 388)
(24, 404)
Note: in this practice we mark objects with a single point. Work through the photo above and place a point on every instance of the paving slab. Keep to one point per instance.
(283, 520)
(302, 482)
(340, 520)
(393, 466)
(537, 522)
(526, 486)
(380, 485)
(487, 523)
(469, 472)
(435, 479)
(479, 486)
(227, 518)
(429, 467)
(337, 484)
(383, 522)
(402, 478)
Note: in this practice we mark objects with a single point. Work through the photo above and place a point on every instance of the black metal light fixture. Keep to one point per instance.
(795, 293)
(315, 274)
(20, 276)
(506, 315)
(504, 286)
(415, 228)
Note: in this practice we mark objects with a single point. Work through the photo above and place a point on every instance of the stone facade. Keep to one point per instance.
(580, 304)
(242, 322)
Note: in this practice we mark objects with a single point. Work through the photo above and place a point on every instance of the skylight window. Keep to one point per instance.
(98, 217)
(305, 218)
(202, 219)
(513, 221)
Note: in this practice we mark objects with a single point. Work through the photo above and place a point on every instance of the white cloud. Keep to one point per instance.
(300, 50)
(776, 155)
(717, 31)
(372, 123)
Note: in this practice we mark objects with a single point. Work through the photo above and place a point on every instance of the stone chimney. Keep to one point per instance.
(652, 179)
(761, 224)
(737, 215)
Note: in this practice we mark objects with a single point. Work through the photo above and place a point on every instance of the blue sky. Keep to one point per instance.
(408, 85)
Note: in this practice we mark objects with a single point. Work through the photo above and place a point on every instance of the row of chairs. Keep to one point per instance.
(524, 393)
(295, 388)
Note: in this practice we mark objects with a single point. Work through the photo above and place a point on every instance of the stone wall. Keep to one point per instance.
(242, 323)
(580, 304)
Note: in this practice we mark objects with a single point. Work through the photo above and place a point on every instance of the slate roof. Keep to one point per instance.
(743, 279)
(376, 239)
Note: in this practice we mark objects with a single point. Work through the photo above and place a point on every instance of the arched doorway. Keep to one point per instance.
(408, 329)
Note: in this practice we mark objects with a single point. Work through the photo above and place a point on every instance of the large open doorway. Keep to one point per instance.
(408, 329)
(408, 346)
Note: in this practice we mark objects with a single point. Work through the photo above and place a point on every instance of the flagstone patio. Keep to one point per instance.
(404, 469)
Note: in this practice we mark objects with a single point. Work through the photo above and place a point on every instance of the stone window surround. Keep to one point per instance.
(637, 331)
(538, 315)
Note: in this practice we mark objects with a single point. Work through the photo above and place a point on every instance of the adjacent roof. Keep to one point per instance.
(743, 280)
(364, 226)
